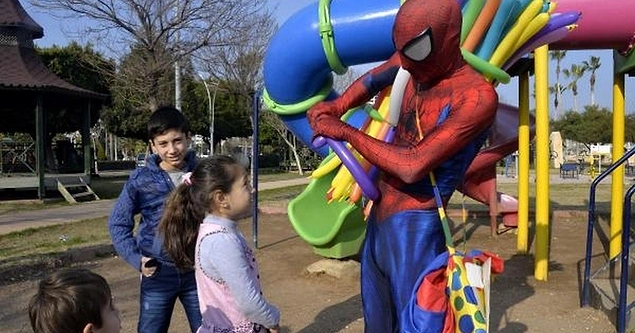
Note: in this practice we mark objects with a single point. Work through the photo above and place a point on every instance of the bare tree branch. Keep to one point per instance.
(181, 25)
(271, 120)
(240, 61)
(149, 36)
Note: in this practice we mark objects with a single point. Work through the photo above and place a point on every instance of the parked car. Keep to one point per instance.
(141, 160)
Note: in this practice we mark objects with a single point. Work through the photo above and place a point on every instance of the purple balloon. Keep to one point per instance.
(346, 156)
(390, 135)
(546, 39)
(364, 181)
(318, 142)
(559, 20)
(556, 21)
(461, 3)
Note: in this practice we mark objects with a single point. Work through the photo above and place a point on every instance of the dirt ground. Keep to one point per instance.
(321, 303)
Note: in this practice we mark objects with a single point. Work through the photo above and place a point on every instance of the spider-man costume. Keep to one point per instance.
(446, 111)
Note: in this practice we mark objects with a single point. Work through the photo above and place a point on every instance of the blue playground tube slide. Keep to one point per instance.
(296, 68)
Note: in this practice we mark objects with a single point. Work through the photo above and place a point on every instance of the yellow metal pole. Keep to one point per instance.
(617, 177)
(541, 269)
(522, 238)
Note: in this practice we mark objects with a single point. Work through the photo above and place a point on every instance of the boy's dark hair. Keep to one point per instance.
(68, 300)
(167, 118)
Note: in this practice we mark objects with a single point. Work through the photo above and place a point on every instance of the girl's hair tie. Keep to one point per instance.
(187, 178)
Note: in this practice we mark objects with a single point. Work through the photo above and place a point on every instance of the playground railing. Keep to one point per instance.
(622, 308)
(625, 241)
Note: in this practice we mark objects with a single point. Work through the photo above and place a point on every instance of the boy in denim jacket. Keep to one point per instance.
(145, 193)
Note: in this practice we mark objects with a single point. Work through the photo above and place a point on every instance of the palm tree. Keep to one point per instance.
(593, 64)
(557, 89)
(557, 55)
(575, 73)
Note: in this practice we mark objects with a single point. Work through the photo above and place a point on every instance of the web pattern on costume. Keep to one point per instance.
(407, 161)
(452, 104)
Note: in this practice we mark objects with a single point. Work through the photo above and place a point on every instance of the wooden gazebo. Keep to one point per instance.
(30, 94)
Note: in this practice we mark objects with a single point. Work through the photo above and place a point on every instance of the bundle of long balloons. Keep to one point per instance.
(494, 35)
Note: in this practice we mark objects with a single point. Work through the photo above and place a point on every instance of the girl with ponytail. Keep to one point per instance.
(199, 230)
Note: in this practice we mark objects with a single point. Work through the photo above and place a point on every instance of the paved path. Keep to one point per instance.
(21, 220)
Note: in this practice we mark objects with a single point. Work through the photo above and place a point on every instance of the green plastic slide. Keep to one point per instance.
(336, 229)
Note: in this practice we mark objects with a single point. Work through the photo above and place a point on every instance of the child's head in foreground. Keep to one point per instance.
(74, 301)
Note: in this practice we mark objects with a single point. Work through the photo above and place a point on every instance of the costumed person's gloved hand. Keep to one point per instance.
(330, 126)
(326, 108)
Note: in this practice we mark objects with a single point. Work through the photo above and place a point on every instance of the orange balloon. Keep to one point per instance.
(481, 25)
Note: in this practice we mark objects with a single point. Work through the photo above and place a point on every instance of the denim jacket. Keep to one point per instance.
(144, 193)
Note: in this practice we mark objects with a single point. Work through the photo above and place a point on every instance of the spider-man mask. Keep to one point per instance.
(427, 35)
(420, 47)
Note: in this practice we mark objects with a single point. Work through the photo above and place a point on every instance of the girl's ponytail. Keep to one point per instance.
(186, 207)
(179, 226)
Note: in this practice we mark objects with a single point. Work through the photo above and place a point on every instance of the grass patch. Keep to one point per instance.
(31, 253)
(12, 207)
(285, 193)
(271, 177)
(569, 196)
(109, 187)
(31, 245)
(52, 239)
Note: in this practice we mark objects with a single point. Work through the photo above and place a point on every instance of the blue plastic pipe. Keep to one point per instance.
(296, 67)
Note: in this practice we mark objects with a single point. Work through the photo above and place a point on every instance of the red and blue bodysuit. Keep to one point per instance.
(445, 114)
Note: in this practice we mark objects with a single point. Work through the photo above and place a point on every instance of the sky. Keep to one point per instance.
(61, 32)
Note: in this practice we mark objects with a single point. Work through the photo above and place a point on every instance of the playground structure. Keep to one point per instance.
(327, 37)
(291, 90)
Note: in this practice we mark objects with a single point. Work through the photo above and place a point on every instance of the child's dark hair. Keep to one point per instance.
(188, 204)
(167, 118)
(68, 300)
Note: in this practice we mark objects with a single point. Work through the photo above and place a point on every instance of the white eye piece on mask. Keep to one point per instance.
(420, 47)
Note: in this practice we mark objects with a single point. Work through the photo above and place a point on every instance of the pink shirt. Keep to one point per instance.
(228, 283)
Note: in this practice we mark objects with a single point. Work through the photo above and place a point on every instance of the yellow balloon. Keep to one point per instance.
(534, 26)
(326, 168)
(509, 41)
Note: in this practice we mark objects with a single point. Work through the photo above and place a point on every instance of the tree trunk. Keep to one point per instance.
(556, 101)
(294, 149)
(575, 103)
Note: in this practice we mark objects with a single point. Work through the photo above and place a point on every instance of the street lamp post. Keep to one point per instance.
(211, 103)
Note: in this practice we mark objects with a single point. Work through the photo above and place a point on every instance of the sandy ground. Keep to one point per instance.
(319, 303)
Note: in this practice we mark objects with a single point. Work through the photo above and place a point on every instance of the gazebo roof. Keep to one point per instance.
(12, 14)
(20, 66)
(22, 69)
